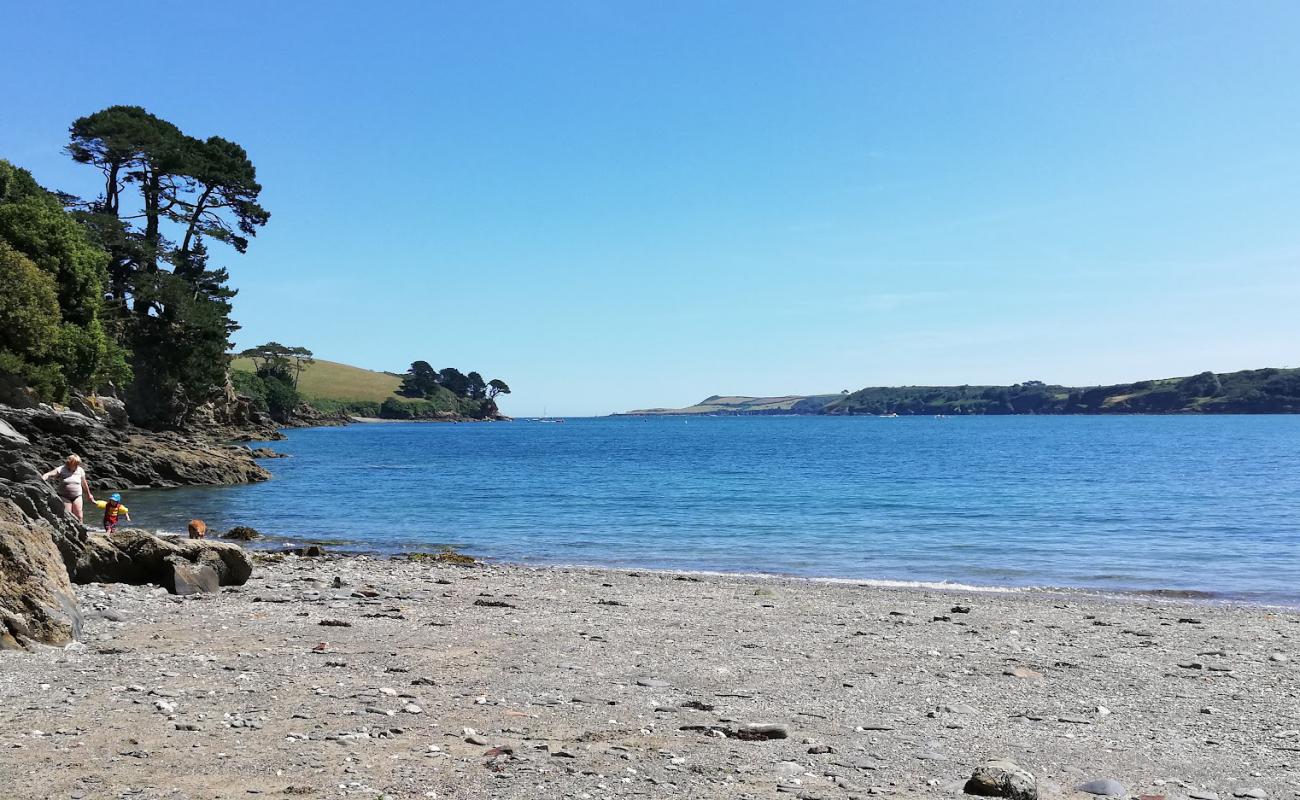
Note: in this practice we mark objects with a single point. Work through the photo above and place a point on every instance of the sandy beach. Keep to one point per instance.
(357, 677)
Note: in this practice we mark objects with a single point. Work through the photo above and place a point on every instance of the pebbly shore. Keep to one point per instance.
(358, 677)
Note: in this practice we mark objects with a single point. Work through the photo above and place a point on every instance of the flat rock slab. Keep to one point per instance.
(1104, 787)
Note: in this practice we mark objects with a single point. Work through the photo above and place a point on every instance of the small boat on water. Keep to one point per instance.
(890, 415)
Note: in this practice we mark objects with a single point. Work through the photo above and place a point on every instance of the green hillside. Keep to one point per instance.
(1256, 391)
(342, 383)
(740, 405)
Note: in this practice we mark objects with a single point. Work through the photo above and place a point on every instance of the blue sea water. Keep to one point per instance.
(1127, 503)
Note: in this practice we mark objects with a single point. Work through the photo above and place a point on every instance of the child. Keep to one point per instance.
(112, 509)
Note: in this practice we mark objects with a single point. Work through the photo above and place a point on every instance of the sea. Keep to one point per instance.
(1179, 506)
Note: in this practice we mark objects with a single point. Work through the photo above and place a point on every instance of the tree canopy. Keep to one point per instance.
(165, 195)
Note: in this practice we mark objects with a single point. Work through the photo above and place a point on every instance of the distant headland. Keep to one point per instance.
(1256, 391)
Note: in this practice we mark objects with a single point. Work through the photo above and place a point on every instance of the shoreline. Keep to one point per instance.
(336, 549)
(359, 677)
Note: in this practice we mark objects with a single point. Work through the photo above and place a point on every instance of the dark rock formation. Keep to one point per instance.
(242, 533)
(129, 458)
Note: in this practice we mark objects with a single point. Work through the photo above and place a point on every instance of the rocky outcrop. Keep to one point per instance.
(44, 551)
(233, 416)
(135, 556)
(121, 457)
(37, 603)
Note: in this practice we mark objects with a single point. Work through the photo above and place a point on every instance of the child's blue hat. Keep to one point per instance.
(116, 498)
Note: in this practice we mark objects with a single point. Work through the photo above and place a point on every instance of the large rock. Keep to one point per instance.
(37, 603)
(188, 578)
(1002, 779)
(136, 556)
(26, 500)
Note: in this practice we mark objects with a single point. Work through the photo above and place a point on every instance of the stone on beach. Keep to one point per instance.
(1103, 787)
(1002, 779)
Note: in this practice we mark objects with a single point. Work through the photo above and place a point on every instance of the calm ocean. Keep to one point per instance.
(1188, 504)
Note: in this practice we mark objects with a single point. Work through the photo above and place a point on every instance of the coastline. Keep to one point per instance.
(513, 681)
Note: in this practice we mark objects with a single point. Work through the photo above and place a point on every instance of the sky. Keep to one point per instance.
(616, 205)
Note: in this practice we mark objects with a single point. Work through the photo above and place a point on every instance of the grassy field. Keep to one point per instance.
(340, 382)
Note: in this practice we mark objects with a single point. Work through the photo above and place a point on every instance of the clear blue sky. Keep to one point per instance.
(616, 205)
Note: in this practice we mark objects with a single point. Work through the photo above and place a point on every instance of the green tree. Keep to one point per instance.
(421, 380)
(497, 387)
(34, 223)
(156, 180)
(475, 387)
(454, 381)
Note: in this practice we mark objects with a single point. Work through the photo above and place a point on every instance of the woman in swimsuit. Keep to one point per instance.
(72, 485)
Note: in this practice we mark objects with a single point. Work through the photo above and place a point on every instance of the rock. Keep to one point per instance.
(1280, 658)
(1202, 794)
(1023, 672)
(653, 683)
(136, 556)
(1002, 779)
(242, 533)
(188, 578)
(957, 708)
(820, 749)
(37, 603)
(119, 456)
(266, 452)
(1256, 794)
(761, 731)
(306, 551)
(961, 609)
(1104, 787)
(116, 411)
(10, 436)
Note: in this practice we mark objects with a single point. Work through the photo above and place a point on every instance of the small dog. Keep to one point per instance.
(198, 529)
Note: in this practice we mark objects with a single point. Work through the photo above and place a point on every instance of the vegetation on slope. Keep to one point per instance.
(1247, 392)
(333, 388)
(740, 405)
(332, 381)
(1258, 391)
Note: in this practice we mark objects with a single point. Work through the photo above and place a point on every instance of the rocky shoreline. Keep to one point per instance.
(359, 677)
(44, 552)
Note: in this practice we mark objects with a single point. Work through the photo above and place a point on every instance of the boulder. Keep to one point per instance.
(37, 603)
(187, 578)
(1002, 779)
(136, 556)
(12, 437)
(116, 411)
(242, 533)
